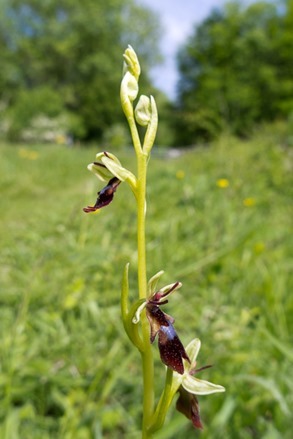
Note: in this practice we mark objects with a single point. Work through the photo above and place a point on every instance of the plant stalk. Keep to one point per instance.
(146, 354)
(164, 403)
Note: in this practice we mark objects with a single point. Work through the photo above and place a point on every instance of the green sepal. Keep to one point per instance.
(121, 173)
(100, 169)
(152, 283)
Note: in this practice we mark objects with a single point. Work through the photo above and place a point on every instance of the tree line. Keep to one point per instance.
(236, 71)
(59, 69)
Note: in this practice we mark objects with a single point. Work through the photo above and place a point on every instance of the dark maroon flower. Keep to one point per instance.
(171, 349)
(187, 403)
(105, 196)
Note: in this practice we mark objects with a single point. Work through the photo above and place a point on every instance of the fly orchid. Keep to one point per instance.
(108, 168)
(171, 349)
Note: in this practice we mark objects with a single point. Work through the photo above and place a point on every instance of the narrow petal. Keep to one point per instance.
(200, 387)
(163, 293)
(136, 317)
(168, 289)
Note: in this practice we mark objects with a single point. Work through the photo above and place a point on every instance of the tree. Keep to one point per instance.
(235, 70)
(63, 56)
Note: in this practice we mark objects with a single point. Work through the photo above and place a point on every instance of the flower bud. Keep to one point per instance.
(143, 111)
(118, 171)
(131, 63)
(128, 92)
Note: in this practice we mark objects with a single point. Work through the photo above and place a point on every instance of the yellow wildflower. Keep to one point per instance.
(27, 154)
(259, 247)
(223, 183)
(249, 202)
(180, 174)
(60, 139)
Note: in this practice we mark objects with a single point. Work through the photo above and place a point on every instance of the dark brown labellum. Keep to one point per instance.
(105, 196)
(171, 349)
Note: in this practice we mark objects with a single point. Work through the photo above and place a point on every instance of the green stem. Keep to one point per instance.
(146, 351)
(146, 354)
(164, 403)
(134, 135)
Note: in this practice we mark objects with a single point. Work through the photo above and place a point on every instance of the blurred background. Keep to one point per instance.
(222, 76)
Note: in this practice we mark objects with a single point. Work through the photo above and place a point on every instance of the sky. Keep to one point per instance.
(178, 18)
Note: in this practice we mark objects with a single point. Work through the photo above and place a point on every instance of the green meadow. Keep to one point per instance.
(218, 220)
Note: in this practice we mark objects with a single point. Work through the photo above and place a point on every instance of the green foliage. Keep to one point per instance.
(221, 218)
(236, 71)
(166, 130)
(29, 105)
(71, 49)
(116, 136)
